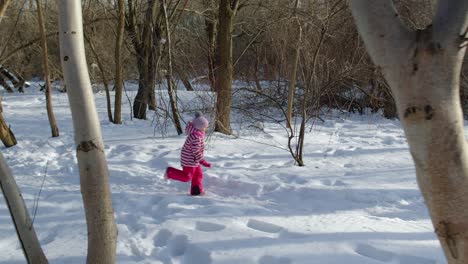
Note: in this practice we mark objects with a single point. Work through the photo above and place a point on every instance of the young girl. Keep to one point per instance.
(191, 157)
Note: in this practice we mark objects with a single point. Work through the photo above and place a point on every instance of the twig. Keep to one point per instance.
(129, 101)
(36, 201)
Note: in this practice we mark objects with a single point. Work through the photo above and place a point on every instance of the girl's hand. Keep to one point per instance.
(205, 163)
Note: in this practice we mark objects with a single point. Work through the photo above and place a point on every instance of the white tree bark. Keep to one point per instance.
(19, 214)
(102, 232)
(423, 70)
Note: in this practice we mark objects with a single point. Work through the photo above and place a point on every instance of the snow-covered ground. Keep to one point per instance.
(356, 201)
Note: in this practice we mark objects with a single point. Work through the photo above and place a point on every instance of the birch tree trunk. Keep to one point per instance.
(102, 232)
(19, 214)
(45, 65)
(423, 70)
(224, 68)
(118, 64)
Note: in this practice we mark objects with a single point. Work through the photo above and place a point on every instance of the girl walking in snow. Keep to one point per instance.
(191, 157)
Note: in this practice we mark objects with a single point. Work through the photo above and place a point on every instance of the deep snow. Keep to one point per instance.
(356, 201)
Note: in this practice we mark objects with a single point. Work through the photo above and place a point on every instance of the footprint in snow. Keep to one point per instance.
(386, 256)
(208, 227)
(264, 226)
(267, 259)
(228, 164)
(177, 245)
(196, 255)
(49, 237)
(131, 221)
(374, 253)
(328, 182)
(169, 246)
(161, 239)
(163, 154)
(291, 235)
(256, 166)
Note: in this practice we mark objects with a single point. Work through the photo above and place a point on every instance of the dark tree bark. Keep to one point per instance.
(146, 44)
(224, 67)
(45, 67)
(118, 63)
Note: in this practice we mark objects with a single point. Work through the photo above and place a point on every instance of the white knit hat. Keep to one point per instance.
(200, 122)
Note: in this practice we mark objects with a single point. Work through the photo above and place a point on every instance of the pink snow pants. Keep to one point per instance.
(186, 174)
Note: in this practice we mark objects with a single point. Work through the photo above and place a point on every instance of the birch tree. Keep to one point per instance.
(19, 214)
(422, 68)
(102, 231)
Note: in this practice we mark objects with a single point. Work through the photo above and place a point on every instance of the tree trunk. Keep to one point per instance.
(423, 70)
(45, 65)
(6, 135)
(19, 214)
(224, 70)
(146, 45)
(17, 81)
(306, 99)
(211, 28)
(141, 99)
(118, 64)
(184, 78)
(257, 76)
(170, 83)
(5, 84)
(102, 231)
(295, 62)
(103, 77)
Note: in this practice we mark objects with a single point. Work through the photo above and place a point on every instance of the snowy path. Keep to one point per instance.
(356, 201)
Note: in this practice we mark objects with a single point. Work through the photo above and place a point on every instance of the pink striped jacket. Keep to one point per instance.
(192, 151)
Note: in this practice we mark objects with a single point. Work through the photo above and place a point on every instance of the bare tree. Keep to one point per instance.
(146, 42)
(118, 63)
(6, 135)
(103, 76)
(211, 24)
(45, 67)
(170, 81)
(224, 68)
(102, 231)
(294, 63)
(422, 68)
